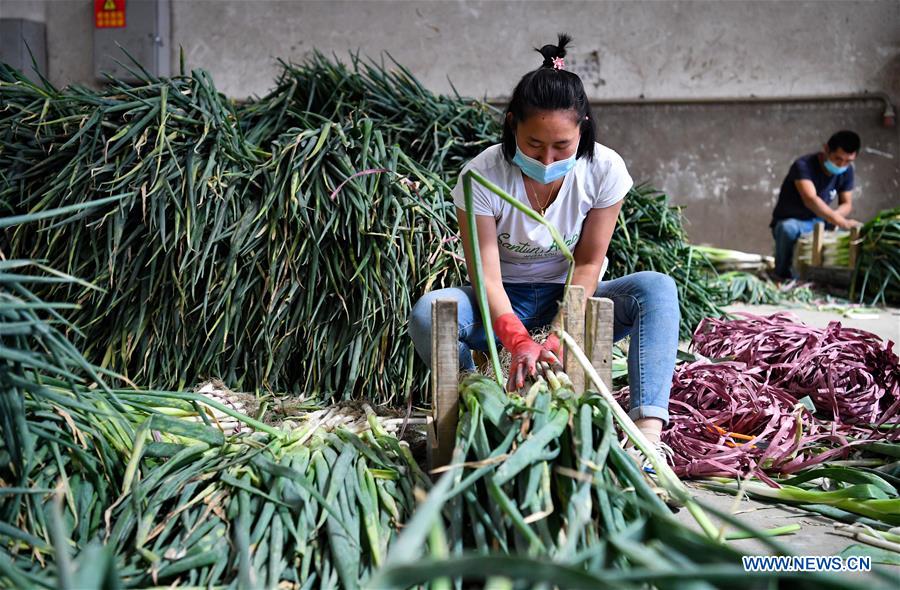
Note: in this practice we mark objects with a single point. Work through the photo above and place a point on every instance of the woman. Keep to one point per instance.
(549, 160)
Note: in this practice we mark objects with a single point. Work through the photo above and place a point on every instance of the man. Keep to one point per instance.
(807, 192)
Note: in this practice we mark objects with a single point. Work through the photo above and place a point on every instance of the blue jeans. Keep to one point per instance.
(786, 233)
(646, 308)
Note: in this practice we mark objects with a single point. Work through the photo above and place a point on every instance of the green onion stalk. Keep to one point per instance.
(876, 277)
(667, 477)
(540, 492)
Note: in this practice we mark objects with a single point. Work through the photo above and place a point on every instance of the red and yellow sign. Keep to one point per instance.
(109, 13)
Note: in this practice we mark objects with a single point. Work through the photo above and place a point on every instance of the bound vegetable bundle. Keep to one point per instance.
(835, 249)
(117, 487)
(275, 268)
(726, 260)
(876, 277)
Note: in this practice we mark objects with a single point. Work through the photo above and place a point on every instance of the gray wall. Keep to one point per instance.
(722, 158)
(725, 162)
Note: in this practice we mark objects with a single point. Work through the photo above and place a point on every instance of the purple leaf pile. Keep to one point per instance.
(740, 414)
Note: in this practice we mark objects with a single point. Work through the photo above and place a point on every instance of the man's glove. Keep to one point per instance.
(526, 353)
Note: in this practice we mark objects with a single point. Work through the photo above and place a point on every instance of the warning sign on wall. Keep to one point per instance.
(109, 13)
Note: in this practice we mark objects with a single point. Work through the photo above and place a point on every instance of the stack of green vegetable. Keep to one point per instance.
(876, 277)
(441, 133)
(164, 500)
(279, 244)
(541, 495)
(836, 249)
(219, 257)
(144, 497)
(739, 286)
(114, 488)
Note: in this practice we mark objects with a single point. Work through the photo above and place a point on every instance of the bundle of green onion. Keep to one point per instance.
(835, 249)
(877, 272)
(115, 487)
(541, 495)
(739, 286)
(270, 268)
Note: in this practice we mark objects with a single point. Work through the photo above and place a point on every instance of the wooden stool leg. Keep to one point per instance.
(854, 246)
(818, 235)
(600, 337)
(573, 323)
(444, 380)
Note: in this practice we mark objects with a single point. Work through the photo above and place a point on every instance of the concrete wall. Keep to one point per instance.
(36, 11)
(722, 159)
(70, 41)
(725, 162)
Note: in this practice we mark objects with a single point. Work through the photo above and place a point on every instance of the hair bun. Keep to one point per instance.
(553, 51)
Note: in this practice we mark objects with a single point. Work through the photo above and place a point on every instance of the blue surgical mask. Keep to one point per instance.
(831, 167)
(541, 173)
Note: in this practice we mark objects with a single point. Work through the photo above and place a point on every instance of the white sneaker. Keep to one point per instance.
(663, 452)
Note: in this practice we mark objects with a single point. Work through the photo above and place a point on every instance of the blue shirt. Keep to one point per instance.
(808, 167)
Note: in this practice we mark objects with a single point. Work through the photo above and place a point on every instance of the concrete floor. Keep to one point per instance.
(819, 535)
(886, 325)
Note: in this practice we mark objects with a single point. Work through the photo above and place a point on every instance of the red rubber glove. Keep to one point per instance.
(526, 353)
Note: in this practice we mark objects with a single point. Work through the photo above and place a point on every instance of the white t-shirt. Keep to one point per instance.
(527, 251)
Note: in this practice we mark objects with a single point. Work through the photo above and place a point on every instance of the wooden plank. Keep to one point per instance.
(430, 443)
(818, 234)
(444, 378)
(599, 337)
(834, 276)
(573, 323)
(854, 246)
